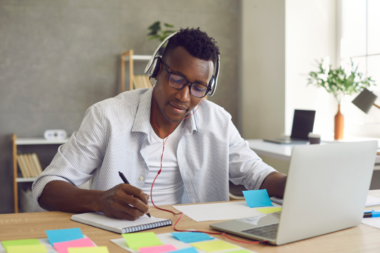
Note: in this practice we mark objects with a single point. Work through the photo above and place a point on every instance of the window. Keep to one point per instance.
(360, 41)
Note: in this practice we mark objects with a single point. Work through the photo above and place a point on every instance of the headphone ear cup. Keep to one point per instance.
(156, 67)
(211, 84)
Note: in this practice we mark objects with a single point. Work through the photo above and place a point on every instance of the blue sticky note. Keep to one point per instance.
(257, 198)
(64, 235)
(187, 250)
(189, 237)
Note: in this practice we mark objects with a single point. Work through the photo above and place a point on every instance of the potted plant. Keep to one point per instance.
(155, 32)
(339, 82)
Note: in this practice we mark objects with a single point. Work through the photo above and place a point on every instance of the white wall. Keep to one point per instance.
(262, 68)
(311, 32)
(281, 39)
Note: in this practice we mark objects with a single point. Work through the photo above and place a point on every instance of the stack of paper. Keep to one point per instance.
(372, 201)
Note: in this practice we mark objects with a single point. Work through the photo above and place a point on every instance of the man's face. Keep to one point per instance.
(175, 104)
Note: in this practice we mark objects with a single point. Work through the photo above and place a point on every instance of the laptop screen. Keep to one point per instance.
(303, 123)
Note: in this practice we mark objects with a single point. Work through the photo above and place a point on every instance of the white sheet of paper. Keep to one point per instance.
(168, 238)
(372, 201)
(373, 222)
(219, 211)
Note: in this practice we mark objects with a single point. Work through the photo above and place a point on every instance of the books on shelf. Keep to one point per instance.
(22, 167)
(29, 165)
(141, 81)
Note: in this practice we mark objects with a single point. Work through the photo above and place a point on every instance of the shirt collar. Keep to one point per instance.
(142, 118)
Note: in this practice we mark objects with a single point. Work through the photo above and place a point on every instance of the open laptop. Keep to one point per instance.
(303, 124)
(326, 191)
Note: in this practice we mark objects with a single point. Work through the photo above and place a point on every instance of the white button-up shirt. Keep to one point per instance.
(114, 137)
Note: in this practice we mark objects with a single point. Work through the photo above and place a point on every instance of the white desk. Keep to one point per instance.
(283, 151)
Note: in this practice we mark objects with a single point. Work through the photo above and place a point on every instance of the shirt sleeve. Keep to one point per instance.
(76, 160)
(245, 166)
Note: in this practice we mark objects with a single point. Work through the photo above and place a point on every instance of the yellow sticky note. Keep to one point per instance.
(102, 249)
(6, 244)
(141, 240)
(212, 246)
(267, 210)
(37, 248)
(240, 251)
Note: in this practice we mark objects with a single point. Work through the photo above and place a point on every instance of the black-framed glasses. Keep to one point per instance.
(179, 82)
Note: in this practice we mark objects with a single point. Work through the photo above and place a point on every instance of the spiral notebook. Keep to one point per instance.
(120, 226)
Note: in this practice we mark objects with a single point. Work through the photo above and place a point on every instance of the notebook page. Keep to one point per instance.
(102, 221)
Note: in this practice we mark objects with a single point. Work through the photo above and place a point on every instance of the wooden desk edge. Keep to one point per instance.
(33, 225)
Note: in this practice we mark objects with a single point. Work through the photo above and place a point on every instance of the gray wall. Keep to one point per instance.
(58, 57)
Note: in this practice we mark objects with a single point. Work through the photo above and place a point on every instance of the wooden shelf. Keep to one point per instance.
(38, 141)
(26, 141)
(138, 57)
(130, 57)
(21, 179)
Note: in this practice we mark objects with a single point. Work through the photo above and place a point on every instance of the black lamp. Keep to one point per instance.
(365, 100)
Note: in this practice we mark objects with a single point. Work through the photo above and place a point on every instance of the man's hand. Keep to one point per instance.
(275, 184)
(123, 201)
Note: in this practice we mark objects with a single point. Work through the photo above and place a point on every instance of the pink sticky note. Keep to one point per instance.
(158, 249)
(62, 247)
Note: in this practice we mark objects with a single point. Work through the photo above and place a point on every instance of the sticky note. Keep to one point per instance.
(257, 198)
(158, 249)
(37, 248)
(102, 249)
(189, 237)
(140, 240)
(240, 251)
(20, 242)
(215, 245)
(187, 250)
(64, 235)
(269, 209)
(62, 247)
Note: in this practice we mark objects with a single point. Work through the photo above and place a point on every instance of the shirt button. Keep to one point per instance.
(141, 178)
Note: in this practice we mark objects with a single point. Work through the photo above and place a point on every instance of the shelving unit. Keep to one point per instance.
(129, 56)
(25, 141)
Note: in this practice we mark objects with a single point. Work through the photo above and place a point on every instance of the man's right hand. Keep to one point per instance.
(123, 201)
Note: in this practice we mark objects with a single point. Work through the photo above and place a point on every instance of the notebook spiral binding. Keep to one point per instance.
(148, 226)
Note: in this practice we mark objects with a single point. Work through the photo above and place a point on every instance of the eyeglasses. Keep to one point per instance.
(178, 82)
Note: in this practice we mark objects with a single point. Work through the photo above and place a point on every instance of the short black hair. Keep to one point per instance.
(196, 42)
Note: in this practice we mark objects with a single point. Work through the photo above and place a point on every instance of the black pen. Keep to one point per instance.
(126, 182)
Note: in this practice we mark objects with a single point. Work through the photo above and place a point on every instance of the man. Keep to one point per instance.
(202, 153)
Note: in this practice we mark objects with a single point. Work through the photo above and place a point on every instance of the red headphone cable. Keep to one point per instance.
(158, 173)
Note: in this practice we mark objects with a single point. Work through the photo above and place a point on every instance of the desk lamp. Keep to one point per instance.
(365, 100)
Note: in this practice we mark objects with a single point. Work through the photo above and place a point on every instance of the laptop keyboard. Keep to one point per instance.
(269, 231)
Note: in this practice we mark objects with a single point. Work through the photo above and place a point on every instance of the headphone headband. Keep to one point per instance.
(150, 62)
(154, 65)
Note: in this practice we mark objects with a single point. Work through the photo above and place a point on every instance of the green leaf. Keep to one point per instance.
(155, 26)
(152, 33)
(154, 37)
(168, 25)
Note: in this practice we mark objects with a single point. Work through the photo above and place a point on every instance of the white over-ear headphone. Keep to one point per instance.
(153, 67)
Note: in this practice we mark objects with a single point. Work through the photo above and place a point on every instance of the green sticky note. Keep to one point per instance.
(102, 249)
(19, 243)
(240, 251)
(27, 249)
(212, 246)
(269, 209)
(140, 240)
